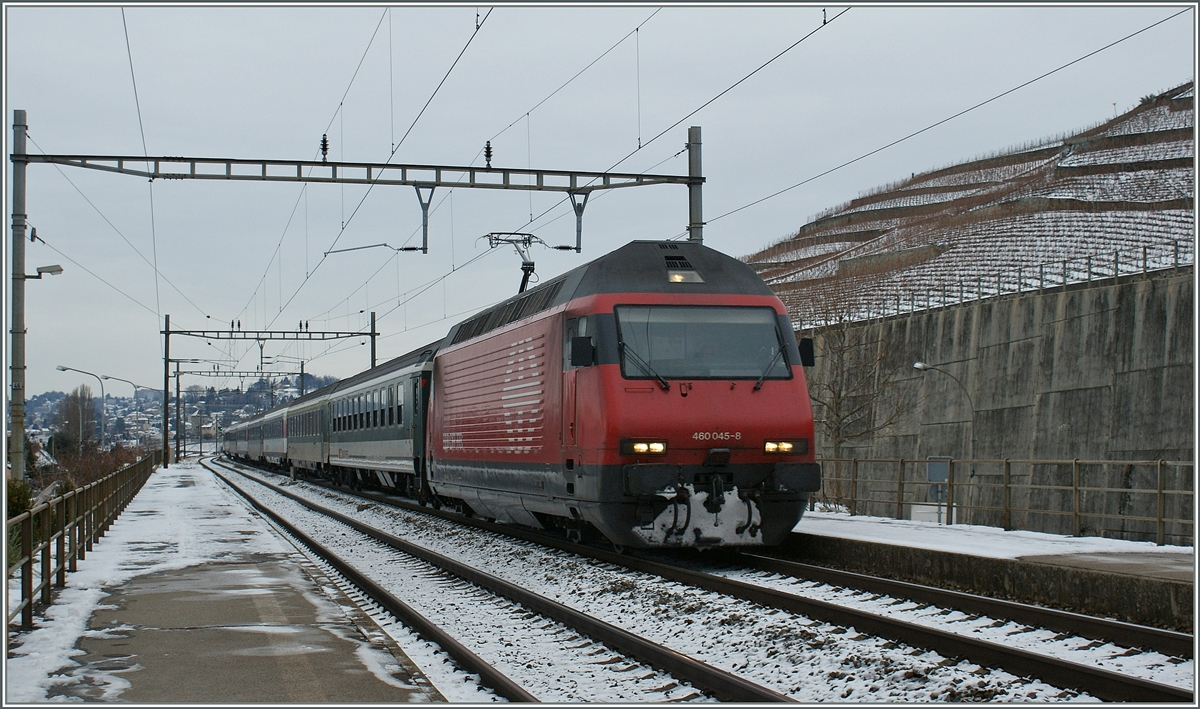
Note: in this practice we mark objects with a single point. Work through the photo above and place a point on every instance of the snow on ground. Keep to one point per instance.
(975, 540)
(182, 517)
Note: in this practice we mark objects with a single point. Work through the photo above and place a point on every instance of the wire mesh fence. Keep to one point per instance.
(1137, 499)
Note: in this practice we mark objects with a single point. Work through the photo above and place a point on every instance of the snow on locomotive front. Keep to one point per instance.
(655, 394)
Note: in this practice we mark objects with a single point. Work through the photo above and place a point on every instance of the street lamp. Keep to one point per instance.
(135, 388)
(923, 367)
(103, 421)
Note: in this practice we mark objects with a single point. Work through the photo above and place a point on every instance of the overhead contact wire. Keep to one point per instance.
(145, 153)
(700, 108)
(946, 120)
(374, 182)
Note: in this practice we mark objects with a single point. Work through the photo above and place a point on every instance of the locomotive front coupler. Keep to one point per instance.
(681, 498)
(750, 497)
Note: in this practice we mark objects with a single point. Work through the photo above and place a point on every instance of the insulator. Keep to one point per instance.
(324, 147)
(487, 153)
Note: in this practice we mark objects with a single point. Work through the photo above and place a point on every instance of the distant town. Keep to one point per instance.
(126, 422)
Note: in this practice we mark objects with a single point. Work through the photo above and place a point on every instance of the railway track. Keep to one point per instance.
(1099, 682)
(712, 681)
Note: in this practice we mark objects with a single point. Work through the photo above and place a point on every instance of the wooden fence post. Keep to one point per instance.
(854, 487)
(1161, 526)
(950, 494)
(27, 572)
(47, 548)
(900, 492)
(1007, 495)
(1074, 486)
(60, 511)
(73, 511)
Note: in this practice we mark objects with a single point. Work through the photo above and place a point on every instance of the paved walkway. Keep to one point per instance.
(189, 597)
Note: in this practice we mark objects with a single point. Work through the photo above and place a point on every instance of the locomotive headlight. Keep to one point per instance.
(783, 447)
(643, 447)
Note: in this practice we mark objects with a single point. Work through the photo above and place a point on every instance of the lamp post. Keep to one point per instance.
(135, 388)
(923, 367)
(103, 421)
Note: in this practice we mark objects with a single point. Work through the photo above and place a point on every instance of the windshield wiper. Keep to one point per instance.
(643, 364)
(770, 366)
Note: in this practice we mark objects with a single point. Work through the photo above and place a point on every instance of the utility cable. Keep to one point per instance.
(946, 120)
(374, 182)
(118, 231)
(145, 153)
(93, 274)
(579, 73)
(333, 118)
(697, 110)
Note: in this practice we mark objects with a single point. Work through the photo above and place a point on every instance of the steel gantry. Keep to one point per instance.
(577, 184)
(236, 333)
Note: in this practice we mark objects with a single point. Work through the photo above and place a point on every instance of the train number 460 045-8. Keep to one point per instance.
(717, 436)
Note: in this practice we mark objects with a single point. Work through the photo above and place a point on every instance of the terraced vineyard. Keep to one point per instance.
(1114, 199)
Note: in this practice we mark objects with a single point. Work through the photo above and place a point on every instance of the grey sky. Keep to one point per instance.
(266, 82)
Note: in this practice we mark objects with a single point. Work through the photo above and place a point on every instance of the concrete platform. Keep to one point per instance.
(257, 629)
(190, 597)
(1147, 587)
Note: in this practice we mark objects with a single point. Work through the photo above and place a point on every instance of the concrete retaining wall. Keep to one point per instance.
(1093, 371)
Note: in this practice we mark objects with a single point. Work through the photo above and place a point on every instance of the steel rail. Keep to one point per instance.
(721, 684)
(1167, 642)
(1103, 684)
(488, 674)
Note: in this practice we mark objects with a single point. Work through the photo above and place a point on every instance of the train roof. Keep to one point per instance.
(416, 356)
(314, 394)
(637, 267)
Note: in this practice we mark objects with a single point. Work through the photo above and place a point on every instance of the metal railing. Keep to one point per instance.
(1153, 500)
(54, 535)
(929, 293)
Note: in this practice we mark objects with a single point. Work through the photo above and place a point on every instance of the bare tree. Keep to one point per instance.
(75, 418)
(854, 385)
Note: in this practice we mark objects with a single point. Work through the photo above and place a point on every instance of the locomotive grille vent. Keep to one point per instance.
(535, 301)
(673, 247)
(677, 262)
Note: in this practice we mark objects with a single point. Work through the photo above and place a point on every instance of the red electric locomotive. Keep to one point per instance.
(655, 395)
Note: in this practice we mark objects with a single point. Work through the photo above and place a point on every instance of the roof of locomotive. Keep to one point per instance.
(637, 267)
(641, 267)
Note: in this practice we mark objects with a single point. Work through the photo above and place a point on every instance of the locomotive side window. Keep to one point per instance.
(578, 345)
(700, 342)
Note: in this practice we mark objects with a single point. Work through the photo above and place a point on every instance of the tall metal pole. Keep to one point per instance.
(16, 444)
(301, 377)
(373, 334)
(166, 456)
(178, 414)
(695, 183)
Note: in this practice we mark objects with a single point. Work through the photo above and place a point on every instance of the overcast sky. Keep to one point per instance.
(267, 82)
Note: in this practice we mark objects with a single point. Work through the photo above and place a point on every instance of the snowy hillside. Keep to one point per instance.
(1116, 198)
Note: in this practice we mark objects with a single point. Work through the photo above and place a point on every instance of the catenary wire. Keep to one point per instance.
(945, 120)
(145, 153)
(118, 231)
(696, 110)
(374, 182)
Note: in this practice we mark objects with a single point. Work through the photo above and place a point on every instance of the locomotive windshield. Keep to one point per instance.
(698, 342)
